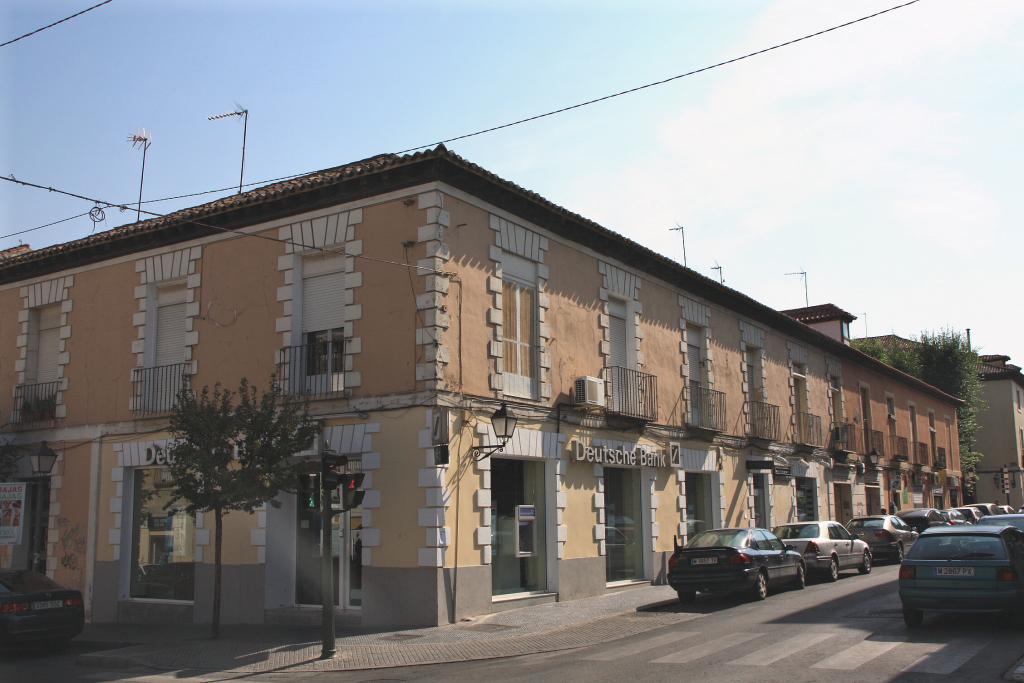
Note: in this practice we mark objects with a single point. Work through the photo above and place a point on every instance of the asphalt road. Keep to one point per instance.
(848, 631)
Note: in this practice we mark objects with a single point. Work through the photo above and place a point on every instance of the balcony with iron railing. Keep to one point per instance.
(808, 430)
(632, 394)
(900, 447)
(764, 420)
(845, 437)
(156, 389)
(705, 408)
(876, 443)
(34, 403)
(940, 458)
(921, 453)
(315, 370)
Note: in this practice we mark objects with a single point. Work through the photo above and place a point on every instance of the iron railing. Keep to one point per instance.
(877, 443)
(808, 429)
(35, 402)
(922, 453)
(940, 458)
(156, 389)
(900, 447)
(316, 369)
(632, 393)
(845, 436)
(705, 408)
(764, 420)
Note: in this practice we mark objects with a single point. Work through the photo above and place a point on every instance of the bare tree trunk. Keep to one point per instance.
(218, 535)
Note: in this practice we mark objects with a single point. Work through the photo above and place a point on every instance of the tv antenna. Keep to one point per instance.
(682, 233)
(721, 280)
(243, 113)
(141, 139)
(803, 274)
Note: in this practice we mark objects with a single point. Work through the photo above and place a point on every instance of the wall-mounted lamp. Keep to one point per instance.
(503, 421)
(873, 457)
(43, 460)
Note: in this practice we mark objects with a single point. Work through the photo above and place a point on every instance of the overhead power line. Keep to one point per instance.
(529, 118)
(60, 21)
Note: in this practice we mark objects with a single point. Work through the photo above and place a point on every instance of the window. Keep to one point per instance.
(806, 498)
(695, 354)
(323, 325)
(835, 398)
(44, 345)
(699, 511)
(163, 539)
(913, 425)
(932, 435)
(865, 410)
(519, 326)
(755, 378)
(800, 387)
(518, 542)
(170, 325)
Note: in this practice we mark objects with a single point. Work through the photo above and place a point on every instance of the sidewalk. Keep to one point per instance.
(251, 649)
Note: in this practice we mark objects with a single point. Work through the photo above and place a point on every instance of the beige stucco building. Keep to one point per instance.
(1001, 432)
(408, 298)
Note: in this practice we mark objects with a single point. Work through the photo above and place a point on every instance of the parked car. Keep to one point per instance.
(922, 518)
(972, 515)
(1005, 509)
(953, 517)
(734, 560)
(827, 547)
(985, 508)
(888, 536)
(963, 569)
(1004, 520)
(32, 607)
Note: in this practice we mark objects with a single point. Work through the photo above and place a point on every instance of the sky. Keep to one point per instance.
(881, 158)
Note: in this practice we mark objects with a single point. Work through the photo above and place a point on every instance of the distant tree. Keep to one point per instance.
(233, 452)
(9, 455)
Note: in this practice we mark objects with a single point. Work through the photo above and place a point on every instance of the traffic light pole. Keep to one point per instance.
(326, 570)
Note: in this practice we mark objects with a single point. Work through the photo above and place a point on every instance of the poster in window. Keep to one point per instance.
(12, 512)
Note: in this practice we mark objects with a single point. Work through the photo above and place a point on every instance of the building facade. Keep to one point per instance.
(408, 298)
(1001, 432)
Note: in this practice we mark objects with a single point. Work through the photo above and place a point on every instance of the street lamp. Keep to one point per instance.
(503, 421)
(43, 460)
(873, 457)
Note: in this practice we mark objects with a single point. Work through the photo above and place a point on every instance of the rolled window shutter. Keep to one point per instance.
(170, 334)
(323, 302)
(47, 344)
(617, 333)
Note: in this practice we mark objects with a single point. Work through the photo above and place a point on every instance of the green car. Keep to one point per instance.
(964, 569)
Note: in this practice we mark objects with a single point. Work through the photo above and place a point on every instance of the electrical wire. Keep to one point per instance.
(553, 112)
(61, 21)
(40, 227)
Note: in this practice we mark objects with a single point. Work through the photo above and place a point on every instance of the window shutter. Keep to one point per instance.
(48, 344)
(323, 294)
(170, 334)
(617, 333)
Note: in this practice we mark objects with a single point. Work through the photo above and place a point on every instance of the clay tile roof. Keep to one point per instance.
(819, 313)
(14, 251)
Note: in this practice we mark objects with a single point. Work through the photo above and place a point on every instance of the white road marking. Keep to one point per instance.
(861, 653)
(639, 644)
(709, 648)
(948, 658)
(783, 649)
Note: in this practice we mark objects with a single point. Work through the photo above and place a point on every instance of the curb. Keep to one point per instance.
(1016, 672)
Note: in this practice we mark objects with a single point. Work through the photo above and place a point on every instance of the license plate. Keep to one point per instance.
(954, 571)
(704, 560)
(48, 604)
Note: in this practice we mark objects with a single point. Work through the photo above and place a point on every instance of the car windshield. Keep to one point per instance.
(957, 547)
(1002, 520)
(866, 524)
(26, 582)
(791, 531)
(732, 538)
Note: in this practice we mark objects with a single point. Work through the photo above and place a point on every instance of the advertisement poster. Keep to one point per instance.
(12, 512)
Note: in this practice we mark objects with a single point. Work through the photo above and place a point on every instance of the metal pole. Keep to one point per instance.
(326, 570)
(245, 130)
(807, 298)
(142, 177)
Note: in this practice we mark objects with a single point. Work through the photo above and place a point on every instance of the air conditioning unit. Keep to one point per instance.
(589, 391)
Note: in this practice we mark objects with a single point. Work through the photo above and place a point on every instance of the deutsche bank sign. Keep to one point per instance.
(640, 456)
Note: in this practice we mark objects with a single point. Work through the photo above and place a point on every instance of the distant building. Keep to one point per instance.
(1001, 432)
(828, 319)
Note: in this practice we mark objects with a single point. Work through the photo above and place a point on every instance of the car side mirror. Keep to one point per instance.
(789, 547)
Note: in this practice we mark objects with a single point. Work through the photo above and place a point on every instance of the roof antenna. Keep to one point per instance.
(682, 233)
(244, 113)
(141, 138)
(803, 274)
(721, 280)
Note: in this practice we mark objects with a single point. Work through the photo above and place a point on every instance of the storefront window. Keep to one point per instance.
(699, 512)
(518, 545)
(163, 540)
(762, 513)
(806, 499)
(623, 531)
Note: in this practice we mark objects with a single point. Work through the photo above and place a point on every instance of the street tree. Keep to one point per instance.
(234, 451)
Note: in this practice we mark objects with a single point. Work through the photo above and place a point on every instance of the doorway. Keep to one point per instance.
(346, 542)
(623, 528)
(762, 506)
(843, 496)
(873, 500)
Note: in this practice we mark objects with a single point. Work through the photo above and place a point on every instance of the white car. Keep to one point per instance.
(827, 547)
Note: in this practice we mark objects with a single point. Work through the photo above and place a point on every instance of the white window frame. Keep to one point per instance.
(521, 274)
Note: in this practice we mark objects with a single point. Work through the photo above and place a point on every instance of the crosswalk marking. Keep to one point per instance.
(861, 653)
(783, 649)
(638, 645)
(708, 648)
(947, 659)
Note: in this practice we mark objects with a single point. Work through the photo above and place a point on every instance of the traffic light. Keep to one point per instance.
(331, 478)
(311, 492)
(352, 492)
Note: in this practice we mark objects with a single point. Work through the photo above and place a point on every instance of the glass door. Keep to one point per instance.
(623, 528)
(352, 579)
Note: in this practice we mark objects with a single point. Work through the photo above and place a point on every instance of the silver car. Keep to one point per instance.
(827, 547)
(888, 535)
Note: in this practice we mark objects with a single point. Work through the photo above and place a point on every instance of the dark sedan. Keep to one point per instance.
(888, 536)
(1003, 520)
(734, 560)
(34, 608)
(923, 518)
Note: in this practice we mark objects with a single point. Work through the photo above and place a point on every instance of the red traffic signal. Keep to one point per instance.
(330, 477)
(352, 493)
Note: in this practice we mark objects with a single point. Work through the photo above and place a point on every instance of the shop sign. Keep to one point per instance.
(937, 491)
(641, 456)
(148, 457)
(12, 512)
(783, 472)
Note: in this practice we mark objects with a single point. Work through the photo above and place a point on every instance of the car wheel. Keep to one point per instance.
(913, 617)
(687, 597)
(865, 565)
(760, 589)
(801, 576)
(833, 569)
(899, 554)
